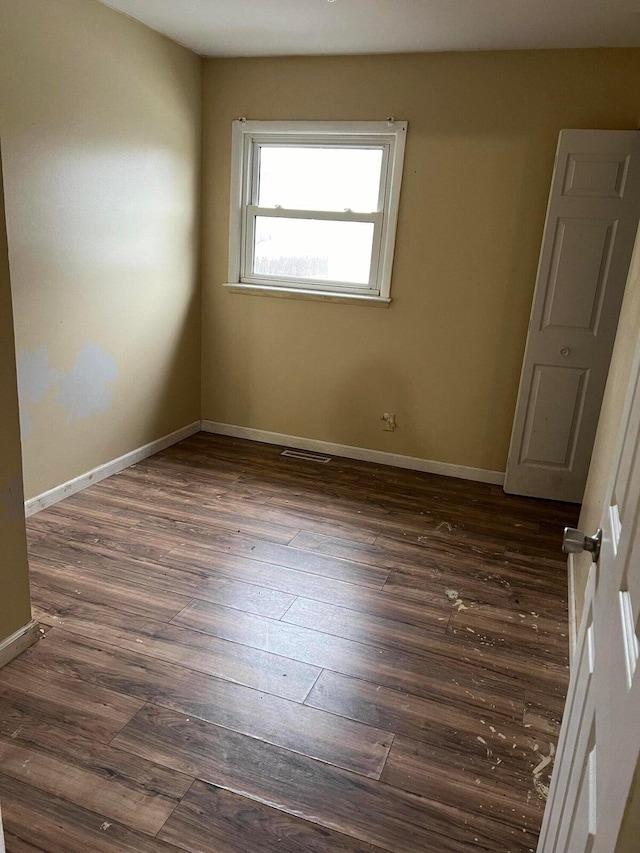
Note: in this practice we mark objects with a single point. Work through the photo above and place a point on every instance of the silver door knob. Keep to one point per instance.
(574, 542)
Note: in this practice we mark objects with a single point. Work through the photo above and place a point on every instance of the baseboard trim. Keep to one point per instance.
(573, 628)
(69, 488)
(18, 642)
(396, 460)
(413, 463)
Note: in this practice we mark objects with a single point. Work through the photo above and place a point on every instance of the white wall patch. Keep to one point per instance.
(35, 377)
(85, 390)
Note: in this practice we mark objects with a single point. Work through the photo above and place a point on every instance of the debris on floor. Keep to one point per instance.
(545, 761)
(541, 788)
(454, 597)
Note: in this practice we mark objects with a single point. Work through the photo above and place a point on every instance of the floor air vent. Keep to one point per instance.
(308, 457)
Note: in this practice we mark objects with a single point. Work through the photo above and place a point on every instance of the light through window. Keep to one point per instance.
(313, 249)
(320, 178)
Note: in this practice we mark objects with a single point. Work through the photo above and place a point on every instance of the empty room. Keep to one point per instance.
(319, 426)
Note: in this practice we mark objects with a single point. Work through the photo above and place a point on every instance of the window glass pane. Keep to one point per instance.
(313, 249)
(315, 178)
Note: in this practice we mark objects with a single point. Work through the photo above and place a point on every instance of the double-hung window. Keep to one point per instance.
(314, 207)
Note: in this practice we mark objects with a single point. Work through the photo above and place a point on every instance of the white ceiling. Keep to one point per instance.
(289, 27)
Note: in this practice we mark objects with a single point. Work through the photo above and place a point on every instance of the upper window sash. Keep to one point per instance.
(254, 143)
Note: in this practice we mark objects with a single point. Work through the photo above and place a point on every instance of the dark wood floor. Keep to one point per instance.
(247, 653)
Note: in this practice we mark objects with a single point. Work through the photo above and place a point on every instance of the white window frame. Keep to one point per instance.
(248, 137)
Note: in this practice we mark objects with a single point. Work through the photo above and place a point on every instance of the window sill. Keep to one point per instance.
(302, 293)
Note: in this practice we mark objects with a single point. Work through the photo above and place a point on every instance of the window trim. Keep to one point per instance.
(247, 137)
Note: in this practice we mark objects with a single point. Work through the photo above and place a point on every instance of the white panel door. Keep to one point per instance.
(592, 218)
(599, 746)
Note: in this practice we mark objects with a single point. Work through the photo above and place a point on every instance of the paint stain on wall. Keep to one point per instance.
(85, 390)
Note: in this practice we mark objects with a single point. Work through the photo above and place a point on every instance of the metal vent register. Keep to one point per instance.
(308, 457)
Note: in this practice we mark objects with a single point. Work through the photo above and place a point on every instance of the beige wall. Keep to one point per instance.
(446, 356)
(101, 128)
(14, 571)
(627, 341)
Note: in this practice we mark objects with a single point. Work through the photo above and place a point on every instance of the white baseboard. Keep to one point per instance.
(413, 463)
(17, 643)
(69, 488)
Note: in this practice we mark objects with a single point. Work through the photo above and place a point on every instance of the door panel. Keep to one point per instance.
(573, 755)
(592, 217)
(551, 427)
(596, 175)
(582, 251)
(582, 826)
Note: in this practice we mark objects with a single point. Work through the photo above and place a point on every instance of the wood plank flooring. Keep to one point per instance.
(248, 652)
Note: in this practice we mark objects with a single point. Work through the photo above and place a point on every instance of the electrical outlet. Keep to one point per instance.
(388, 421)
